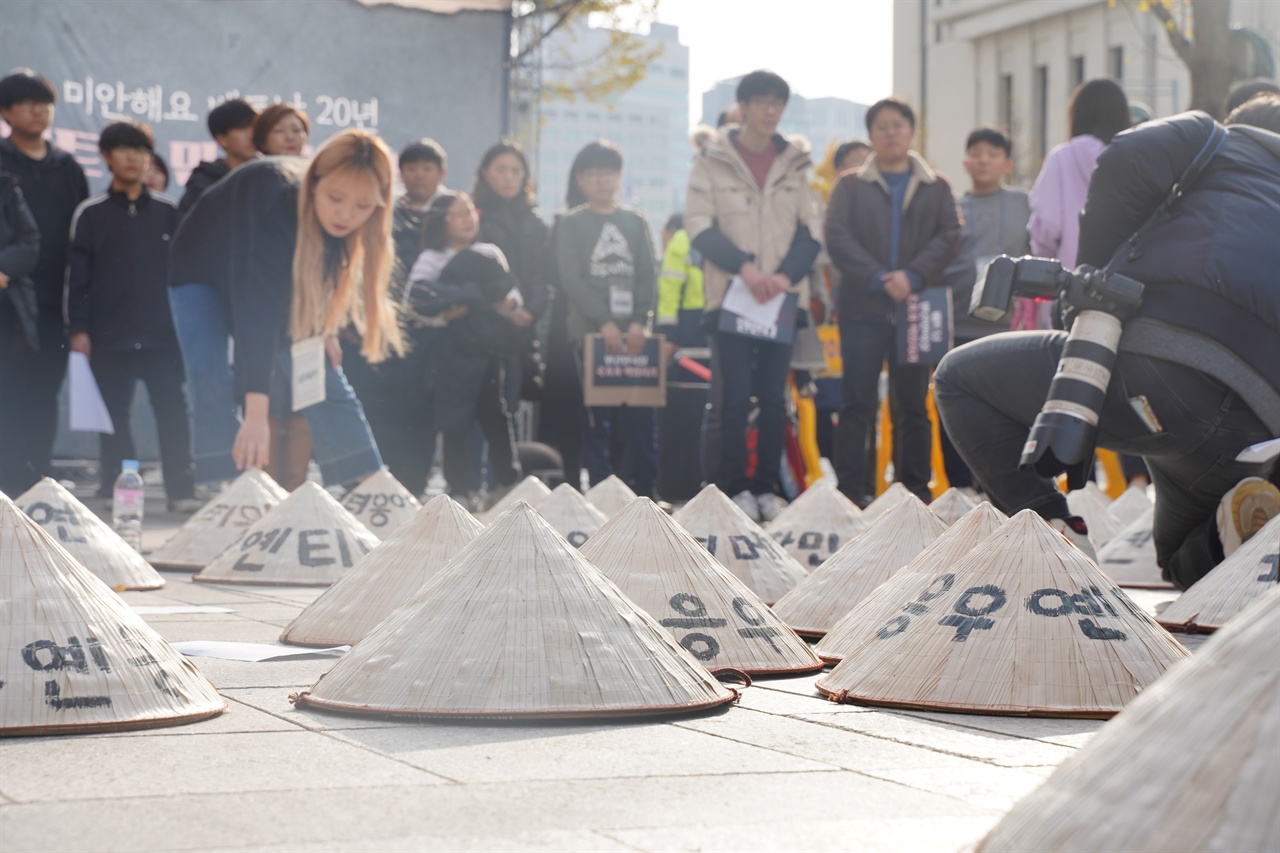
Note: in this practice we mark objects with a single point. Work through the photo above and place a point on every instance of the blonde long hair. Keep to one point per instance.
(325, 301)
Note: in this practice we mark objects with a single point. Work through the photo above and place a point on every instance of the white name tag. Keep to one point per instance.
(620, 302)
(308, 372)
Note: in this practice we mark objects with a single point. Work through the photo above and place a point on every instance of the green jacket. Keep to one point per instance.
(606, 269)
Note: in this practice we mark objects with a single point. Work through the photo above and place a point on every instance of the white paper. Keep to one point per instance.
(308, 372)
(88, 411)
(739, 300)
(1263, 451)
(620, 302)
(253, 652)
(156, 610)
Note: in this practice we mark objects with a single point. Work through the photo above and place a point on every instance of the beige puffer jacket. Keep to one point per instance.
(762, 222)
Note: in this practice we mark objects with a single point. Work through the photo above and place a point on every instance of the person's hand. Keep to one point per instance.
(252, 447)
(4, 281)
(755, 280)
(636, 336)
(80, 343)
(521, 318)
(669, 350)
(896, 285)
(333, 349)
(451, 314)
(778, 283)
(612, 338)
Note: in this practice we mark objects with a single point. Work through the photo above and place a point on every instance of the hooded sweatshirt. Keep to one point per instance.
(1058, 197)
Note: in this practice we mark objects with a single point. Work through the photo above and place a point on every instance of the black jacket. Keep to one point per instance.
(517, 230)
(202, 177)
(1211, 265)
(53, 188)
(19, 253)
(116, 271)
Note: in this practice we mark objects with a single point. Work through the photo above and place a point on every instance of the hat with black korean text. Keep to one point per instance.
(518, 625)
(220, 522)
(1025, 624)
(1091, 505)
(73, 656)
(814, 526)
(568, 512)
(610, 495)
(951, 505)
(886, 501)
(530, 489)
(89, 539)
(386, 578)
(1131, 505)
(1218, 596)
(381, 503)
(307, 540)
(711, 613)
(1129, 558)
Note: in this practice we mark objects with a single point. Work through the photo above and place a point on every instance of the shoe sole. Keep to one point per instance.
(1251, 507)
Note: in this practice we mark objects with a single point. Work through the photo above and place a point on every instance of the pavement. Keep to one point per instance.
(784, 769)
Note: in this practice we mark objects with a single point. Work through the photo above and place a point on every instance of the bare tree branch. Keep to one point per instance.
(1177, 40)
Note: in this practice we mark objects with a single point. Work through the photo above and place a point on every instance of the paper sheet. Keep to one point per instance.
(253, 652)
(157, 610)
(88, 411)
(739, 300)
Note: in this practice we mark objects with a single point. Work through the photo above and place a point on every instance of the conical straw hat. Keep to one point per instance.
(816, 524)
(610, 495)
(1129, 558)
(518, 625)
(660, 567)
(859, 625)
(73, 656)
(530, 490)
(1095, 491)
(1025, 624)
(381, 503)
(1091, 505)
(888, 499)
(568, 512)
(1228, 589)
(951, 506)
(89, 539)
(1130, 505)
(1190, 765)
(308, 540)
(739, 544)
(220, 522)
(853, 572)
(386, 577)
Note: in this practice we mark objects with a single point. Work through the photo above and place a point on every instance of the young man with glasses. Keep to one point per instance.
(753, 215)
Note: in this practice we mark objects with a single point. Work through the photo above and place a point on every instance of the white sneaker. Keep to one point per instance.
(747, 503)
(1244, 510)
(770, 506)
(1077, 533)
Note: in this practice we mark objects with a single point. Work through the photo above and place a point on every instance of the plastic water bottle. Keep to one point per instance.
(127, 504)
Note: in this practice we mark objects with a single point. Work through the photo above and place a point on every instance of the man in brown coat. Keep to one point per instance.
(891, 230)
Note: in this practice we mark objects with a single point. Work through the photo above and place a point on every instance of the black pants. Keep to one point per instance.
(742, 368)
(117, 374)
(958, 474)
(470, 390)
(990, 391)
(29, 384)
(864, 347)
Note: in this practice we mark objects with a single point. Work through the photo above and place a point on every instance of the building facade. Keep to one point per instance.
(823, 121)
(1013, 64)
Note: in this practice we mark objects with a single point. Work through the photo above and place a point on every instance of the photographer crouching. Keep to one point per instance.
(1173, 349)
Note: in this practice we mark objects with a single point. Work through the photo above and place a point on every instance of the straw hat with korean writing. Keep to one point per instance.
(610, 495)
(220, 522)
(1091, 505)
(1228, 589)
(1129, 558)
(73, 656)
(530, 490)
(853, 572)
(814, 526)
(307, 540)
(1190, 765)
(381, 503)
(518, 624)
(88, 538)
(951, 505)
(885, 602)
(887, 500)
(740, 544)
(1025, 624)
(386, 578)
(569, 514)
(709, 611)
(1130, 506)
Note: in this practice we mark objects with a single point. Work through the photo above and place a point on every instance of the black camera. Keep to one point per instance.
(1095, 303)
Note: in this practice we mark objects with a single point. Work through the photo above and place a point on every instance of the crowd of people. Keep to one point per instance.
(349, 308)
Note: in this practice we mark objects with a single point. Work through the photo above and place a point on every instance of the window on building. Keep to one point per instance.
(937, 33)
(571, 115)
(635, 118)
(1040, 143)
(1115, 63)
(1077, 71)
(1006, 102)
(677, 72)
(615, 116)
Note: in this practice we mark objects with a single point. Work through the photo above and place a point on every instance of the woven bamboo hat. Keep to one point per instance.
(518, 625)
(1228, 589)
(1129, 558)
(220, 522)
(89, 539)
(709, 611)
(816, 524)
(568, 512)
(610, 495)
(530, 490)
(307, 540)
(1095, 491)
(1025, 624)
(740, 544)
(381, 503)
(853, 572)
(385, 578)
(887, 500)
(1091, 505)
(951, 506)
(859, 626)
(73, 656)
(1130, 506)
(1190, 765)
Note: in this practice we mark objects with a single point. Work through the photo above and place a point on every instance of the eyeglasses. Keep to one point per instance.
(597, 174)
(773, 104)
(890, 126)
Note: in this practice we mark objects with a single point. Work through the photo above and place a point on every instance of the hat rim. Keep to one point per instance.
(129, 725)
